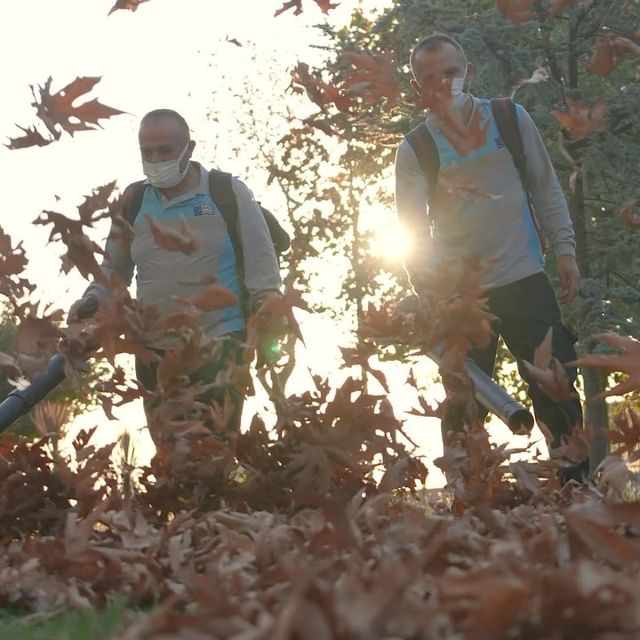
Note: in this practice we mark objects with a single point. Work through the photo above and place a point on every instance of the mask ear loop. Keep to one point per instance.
(465, 79)
(180, 158)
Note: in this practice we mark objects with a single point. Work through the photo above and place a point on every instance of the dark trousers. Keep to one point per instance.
(216, 369)
(525, 310)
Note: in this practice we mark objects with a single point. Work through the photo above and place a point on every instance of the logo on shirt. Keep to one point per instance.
(203, 210)
(499, 142)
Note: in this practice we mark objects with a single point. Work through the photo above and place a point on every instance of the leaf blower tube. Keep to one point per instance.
(20, 401)
(487, 392)
(493, 398)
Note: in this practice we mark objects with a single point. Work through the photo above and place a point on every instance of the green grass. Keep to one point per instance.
(67, 625)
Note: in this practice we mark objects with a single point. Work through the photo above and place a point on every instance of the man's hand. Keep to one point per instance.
(569, 274)
(83, 308)
(271, 327)
(420, 307)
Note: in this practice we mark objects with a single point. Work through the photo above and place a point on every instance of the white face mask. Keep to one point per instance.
(167, 174)
(458, 93)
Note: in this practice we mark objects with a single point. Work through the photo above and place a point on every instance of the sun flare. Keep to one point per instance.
(391, 242)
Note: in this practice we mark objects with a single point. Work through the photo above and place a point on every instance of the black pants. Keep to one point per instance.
(216, 369)
(525, 310)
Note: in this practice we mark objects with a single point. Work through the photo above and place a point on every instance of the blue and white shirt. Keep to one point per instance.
(165, 278)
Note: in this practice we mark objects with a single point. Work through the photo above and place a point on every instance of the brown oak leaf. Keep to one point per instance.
(319, 92)
(58, 110)
(324, 5)
(631, 218)
(171, 239)
(212, 298)
(582, 119)
(608, 52)
(517, 10)
(627, 362)
(374, 78)
(32, 138)
(548, 373)
(296, 5)
(128, 5)
(626, 432)
(463, 137)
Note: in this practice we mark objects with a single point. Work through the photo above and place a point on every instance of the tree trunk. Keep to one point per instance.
(596, 415)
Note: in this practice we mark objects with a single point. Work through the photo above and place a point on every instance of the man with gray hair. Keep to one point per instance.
(238, 255)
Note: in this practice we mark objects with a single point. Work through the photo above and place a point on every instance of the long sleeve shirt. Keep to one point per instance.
(490, 217)
(165, 278)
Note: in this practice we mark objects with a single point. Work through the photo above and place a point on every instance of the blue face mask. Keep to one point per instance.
(166, 174)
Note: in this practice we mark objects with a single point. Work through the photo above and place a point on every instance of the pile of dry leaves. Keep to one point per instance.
(320, 527)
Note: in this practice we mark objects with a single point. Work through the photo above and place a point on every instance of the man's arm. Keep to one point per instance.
(411, 205)
(261, 270)
(117, 260)
(550, 204)
(546, 194)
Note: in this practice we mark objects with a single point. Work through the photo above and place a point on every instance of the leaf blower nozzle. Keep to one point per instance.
(491, 396)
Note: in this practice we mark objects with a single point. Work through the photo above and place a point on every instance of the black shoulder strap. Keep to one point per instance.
(506, 117)
(504, 113)
(132, 200)
(225, 199)
(426, 151)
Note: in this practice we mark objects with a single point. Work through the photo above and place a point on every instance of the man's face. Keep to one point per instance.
(434, 70)
(163, 139)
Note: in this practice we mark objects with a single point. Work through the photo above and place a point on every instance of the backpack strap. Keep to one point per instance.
(426, 151)
(424, 146)
(131, 200)
(222, 194)
(506, 117)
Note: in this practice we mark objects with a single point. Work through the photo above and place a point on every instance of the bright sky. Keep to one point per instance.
(169, 53)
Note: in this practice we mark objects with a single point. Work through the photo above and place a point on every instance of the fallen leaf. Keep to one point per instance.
(548, 373)
(318, 91)
(582, 119)
(51, 417)
(517, 11)
(32, 138)
(614, 473)
(626, 433)
(463, 137)
(37, 335)
(450, 181)
(326, 5)
(608, 52)
(128, 5)
(184, 240)
(58, 110)
(296, 5)
(374, 78)
(212, 298)
(628, 362)
(631, 218)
